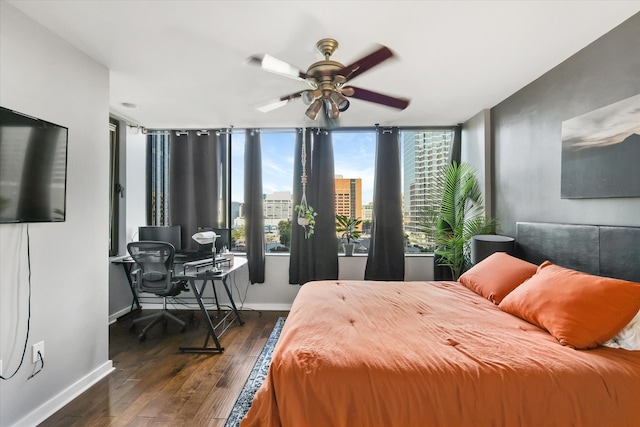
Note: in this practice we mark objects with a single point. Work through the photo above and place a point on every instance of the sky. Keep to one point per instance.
(354, 155)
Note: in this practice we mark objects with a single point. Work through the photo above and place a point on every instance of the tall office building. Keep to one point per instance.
(348, 196)
(367, 212)
(276, 207)
(424, 154)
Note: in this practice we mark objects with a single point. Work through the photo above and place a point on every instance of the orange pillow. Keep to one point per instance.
(497, 275)
(580, 310)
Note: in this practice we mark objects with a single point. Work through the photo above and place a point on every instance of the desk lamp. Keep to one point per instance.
(204, 238)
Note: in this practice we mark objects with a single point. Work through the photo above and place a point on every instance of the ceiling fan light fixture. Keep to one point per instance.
(332, 109)
(314, 108)
(308, 96)
(340, 101)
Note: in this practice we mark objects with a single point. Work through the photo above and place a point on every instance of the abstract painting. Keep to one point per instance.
(601, 152)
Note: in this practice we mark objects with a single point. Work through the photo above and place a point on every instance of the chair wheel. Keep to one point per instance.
(142, 337)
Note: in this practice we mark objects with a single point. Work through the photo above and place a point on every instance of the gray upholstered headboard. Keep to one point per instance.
(596, 249)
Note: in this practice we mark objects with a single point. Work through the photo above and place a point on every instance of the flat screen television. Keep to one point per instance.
(33, 169)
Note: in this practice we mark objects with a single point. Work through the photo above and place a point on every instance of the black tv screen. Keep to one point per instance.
(33, 169)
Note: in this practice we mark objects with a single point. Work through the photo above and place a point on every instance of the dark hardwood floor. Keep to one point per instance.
(154, 384)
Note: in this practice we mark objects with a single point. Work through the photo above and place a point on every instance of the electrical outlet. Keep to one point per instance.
(38, 347)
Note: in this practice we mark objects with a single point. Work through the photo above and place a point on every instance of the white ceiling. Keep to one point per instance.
(181, 62)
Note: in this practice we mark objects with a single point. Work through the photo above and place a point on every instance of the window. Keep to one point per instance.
(278, 147)
(354, 162)
(424, 152)
(114, 187)
(158, 178)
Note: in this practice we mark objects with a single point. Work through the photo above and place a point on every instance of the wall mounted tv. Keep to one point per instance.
(33, 169)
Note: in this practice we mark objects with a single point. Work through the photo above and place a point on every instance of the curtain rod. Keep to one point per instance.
(289, 130)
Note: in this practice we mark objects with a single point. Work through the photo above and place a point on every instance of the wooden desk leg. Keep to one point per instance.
(211, 329)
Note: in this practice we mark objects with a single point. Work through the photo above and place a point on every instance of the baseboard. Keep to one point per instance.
(252, 307)
(74, 390)
(115, 316)
(266, 307)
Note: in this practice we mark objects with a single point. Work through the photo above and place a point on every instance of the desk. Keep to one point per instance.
(127, 264)
(199, 272)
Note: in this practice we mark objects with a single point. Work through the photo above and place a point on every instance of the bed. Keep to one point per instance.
(367, 353)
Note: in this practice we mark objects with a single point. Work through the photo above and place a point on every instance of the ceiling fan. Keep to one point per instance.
(328, 80)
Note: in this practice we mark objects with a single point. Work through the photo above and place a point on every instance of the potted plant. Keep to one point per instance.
(347, 228)
(459, 217)
(306, 218)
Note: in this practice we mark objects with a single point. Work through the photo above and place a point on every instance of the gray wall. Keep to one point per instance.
(527, 133)
(46, 77)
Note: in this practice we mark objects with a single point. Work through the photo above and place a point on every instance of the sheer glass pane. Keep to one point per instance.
(277, 184)
(354, 161)
(424, 154)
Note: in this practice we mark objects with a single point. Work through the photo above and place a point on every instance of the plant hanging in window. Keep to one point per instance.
(306, 214)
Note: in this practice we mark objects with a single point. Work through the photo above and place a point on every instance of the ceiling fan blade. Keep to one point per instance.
(363, 64)
(272, 104)
(378, 98)
(276, 66)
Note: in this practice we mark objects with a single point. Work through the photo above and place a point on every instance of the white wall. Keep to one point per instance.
(45, 77)
(476, 150)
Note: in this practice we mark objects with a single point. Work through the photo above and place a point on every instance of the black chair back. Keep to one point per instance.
(155, 262)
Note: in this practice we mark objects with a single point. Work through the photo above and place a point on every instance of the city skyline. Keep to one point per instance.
(278, 161)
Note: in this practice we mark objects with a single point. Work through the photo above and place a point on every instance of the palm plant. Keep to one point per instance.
(459, 216)
(348, 227)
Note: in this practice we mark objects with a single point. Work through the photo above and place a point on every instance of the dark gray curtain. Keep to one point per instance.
(194, 175)
(385, 260)
(315, 258)
(322, 199)
(254, 217)
(441, 272)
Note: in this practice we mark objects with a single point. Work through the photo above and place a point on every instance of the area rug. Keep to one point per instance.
(256, 377)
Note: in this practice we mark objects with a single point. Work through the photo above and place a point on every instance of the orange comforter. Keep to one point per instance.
(366, 354)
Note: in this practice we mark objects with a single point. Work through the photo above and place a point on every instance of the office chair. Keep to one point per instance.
(155, 275)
